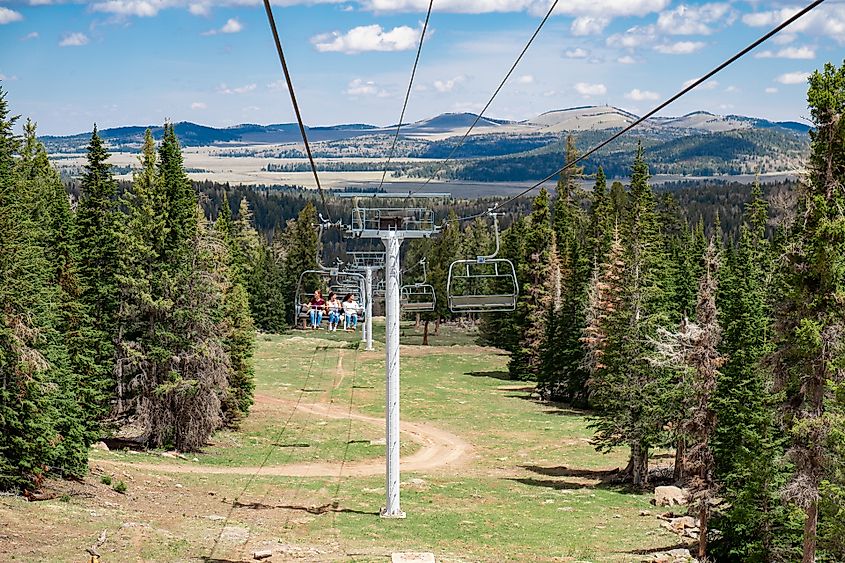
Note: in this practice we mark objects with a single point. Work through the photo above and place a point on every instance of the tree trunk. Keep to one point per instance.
(639, 467)
(437, 326)
(703, 527)
(810, 533)
(417, 323)
(679, 474)
(425, 333)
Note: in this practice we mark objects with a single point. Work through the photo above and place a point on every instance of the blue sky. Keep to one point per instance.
(70, 63)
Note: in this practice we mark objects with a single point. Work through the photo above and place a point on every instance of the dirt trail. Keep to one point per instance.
(439, 449)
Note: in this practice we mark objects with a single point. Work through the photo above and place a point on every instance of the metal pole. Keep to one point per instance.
(392, 242)
(369, 320)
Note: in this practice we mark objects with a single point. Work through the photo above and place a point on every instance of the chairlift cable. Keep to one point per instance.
(270, 451)
(478, 117)
(407, 96)
(286, 72)
(655, 110)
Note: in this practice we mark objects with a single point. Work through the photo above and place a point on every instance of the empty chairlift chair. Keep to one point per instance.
(486, 284)
(418, 297)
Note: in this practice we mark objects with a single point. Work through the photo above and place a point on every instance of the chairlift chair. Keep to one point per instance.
(418, 297)
(486, 284)
(309, 281)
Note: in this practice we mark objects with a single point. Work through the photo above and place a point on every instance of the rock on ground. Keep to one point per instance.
(670, 496)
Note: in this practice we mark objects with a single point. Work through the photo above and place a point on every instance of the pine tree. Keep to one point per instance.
(41, 427)
(748, 447)
(537, 284)
(268, 303)
(445, 249)
(810, 317)
(604, 299)
(602, 220)
(180, 217)
(299, 249)
(704, 359)
(501, 330)
(563, 376)
(627, 391)
(98, 221)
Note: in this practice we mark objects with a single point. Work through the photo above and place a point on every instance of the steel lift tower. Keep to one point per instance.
(392, 226)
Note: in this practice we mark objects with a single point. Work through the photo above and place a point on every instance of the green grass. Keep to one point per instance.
(533, 488)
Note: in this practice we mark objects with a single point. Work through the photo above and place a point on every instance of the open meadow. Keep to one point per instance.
(489, 473)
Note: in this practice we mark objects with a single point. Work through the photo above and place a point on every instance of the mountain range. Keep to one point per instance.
(698, 143)
(575, 120)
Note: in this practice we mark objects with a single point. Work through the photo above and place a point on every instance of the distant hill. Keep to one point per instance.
(698, 143)
(577, 119)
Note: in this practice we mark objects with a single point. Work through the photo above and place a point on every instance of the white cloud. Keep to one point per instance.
(199, 9)
(359, 87)
(771, 90)
(793, 77)
(279, 84)
(231, 26)
(525, 79)
(587, 90)
(368, 38)
(709, 85)
(139, 8)
(444, 86)
(577, 53)
(804, 52)
(826, 20)
(576, 8)
(626, 60)
(633, 37)
(638, 95)
(223, 89)
(74, 40)
(694, 20)
(588, 25)
(680, 48)
(199, 106)
(9, 16)
(30, 36)
(783, 38)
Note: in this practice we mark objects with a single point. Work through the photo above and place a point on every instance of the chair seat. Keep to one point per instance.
(482, 301)
(421, 307)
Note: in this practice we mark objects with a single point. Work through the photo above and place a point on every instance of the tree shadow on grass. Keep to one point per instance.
(502, 375)
(610, 480)
(556, 485)
(650, 550)
(322, 509)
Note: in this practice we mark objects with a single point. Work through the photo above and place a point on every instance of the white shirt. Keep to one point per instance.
(350, 307)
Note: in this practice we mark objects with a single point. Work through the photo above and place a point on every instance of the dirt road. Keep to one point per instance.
(440, 449)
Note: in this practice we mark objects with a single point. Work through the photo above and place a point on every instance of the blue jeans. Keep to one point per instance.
(351, 320)
(334, 317)
(316, 317)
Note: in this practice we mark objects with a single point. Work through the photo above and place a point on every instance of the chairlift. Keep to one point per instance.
(418, 297)
(486, 284)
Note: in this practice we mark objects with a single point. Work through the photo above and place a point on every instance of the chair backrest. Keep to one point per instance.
(483, 285)
(417, 298)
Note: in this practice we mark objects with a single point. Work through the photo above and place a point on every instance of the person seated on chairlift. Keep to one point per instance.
(333, 306)
(317, 307)
(350, 310)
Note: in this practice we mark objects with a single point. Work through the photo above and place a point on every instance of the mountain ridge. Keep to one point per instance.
(578, 118)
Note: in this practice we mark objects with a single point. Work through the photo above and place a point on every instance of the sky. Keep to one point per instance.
(70, 63)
